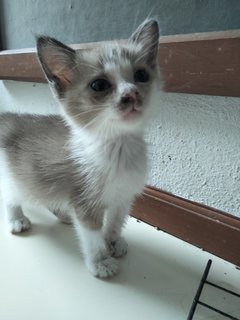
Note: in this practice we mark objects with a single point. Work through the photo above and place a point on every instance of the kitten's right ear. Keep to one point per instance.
(58, 62)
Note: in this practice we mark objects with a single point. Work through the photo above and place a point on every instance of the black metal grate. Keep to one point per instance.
(196, 300)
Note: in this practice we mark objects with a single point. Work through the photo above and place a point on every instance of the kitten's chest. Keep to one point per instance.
(124, 170)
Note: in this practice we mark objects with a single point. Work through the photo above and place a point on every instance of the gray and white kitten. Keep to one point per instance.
(87, 165)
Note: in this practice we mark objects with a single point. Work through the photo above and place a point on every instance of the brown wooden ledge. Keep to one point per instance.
(210, 229)
(204, 63)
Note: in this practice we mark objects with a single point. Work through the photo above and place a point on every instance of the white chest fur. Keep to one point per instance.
(117, 166)
(124, 169)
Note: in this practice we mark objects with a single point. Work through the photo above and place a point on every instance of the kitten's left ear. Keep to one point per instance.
(147, 36)
(58, 62)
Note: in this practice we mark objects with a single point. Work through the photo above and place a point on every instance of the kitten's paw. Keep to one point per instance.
(105, 268)
(118, 248)
(19, 225)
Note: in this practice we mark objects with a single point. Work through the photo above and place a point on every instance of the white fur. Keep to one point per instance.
(120, 188)
(96, 252)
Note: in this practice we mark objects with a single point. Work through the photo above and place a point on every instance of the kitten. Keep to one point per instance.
(87, 165)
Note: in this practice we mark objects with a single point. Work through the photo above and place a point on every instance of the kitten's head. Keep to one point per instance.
(108, 87)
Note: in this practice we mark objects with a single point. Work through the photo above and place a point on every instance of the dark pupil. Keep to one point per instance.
(141, 76)
(100, 85)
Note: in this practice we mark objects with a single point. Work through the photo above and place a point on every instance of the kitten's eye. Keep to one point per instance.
(100, 85)
(141, 76)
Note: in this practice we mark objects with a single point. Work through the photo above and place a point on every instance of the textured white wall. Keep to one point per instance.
(194, 147)
(194, 144)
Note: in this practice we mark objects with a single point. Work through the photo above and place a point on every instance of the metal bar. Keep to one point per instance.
(218, 311)
(223, 289)
(199, 291)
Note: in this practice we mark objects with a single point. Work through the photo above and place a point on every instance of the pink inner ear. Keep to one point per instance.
(64, 73)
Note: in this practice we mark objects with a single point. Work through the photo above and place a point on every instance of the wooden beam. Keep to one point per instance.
(207, 228)
(207, 63)
(204, 63)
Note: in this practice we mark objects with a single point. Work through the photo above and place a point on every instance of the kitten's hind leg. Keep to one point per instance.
(15, 219)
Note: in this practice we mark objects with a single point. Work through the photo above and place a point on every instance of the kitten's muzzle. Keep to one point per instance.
(130, 105)
(130, 100)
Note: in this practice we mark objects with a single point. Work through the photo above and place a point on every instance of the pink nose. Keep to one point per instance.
(129, 98)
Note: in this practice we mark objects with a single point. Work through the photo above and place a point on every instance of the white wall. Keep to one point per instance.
(195, 149)
(194, 144)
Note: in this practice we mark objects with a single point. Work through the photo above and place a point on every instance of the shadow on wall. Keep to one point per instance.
(79, 21)
(2, 26)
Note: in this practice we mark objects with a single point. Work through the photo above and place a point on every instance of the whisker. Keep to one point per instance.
(87, 112)
(90, 123)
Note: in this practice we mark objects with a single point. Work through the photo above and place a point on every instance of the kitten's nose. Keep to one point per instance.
(129, 98)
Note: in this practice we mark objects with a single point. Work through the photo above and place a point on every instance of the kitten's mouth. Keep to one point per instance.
(131, 106)
(132, 112)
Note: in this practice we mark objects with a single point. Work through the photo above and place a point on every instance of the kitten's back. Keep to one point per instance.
(34, 150)
(20, 131)
(32, 142)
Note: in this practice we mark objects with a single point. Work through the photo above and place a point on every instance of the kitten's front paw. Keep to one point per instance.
(118, 248)
(105, 268)
(19, 225)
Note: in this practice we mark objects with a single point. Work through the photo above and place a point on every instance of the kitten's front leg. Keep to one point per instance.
(16, 221)
(94, 247)
(115, 219)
